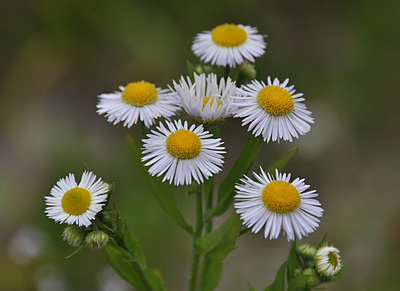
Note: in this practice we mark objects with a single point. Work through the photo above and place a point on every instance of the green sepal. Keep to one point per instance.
(299, 283)
(322, 242)
(161, 191)
(227, 186)
(191, 69)
(293, 263)
(279, 282)
(212, 274)
(279, 164)
(219, 243)
(340, 273)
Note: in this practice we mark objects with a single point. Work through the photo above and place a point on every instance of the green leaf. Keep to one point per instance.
(293, 263)
(279, 164)
(129, 241)
(212, 274)
(155, 279)
(220, 242)
(161, 191)
(234, 74)
(241, 167)
(322, 242)
(340, 273)
(191, 69)
(299, 283)
(251, 288)
(122, 266)
(279, 283)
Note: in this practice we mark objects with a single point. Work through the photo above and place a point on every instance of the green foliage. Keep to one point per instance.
(160, 190)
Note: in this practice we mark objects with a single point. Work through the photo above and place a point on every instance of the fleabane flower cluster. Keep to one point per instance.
(207, 100)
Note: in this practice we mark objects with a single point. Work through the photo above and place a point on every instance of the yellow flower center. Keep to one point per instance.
(76, 201)
(228, 35)
(207, 98)
(183, 144)
(332, 259)
(139, 93)
(275, 100)
(281, 197)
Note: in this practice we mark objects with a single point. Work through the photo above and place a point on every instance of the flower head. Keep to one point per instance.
(207, 100)
(76, 204)
(96, 239)
(273, 110)
(182, 153)
(277, 204)
(229, 44)
(137, 101)
(327, 261)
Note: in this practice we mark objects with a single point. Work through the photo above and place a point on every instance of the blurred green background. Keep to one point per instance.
(57, 56)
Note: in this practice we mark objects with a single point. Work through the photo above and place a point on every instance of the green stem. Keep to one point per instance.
(194, 274)
(208, 189)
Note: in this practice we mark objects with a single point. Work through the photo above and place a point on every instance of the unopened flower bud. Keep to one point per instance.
(248, 70)
(306, 251)
(73, 235)
(96, 239)
(327, 261)
(313, 280)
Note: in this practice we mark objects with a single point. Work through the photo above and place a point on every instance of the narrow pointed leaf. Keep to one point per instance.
(279, 283)
(241, 167)
(322, 242)
(279, 164)
(212, 275)
(191, 69)
(220, 242)
(293, 263)
(299, 283)
(161, 191)
(340, 273)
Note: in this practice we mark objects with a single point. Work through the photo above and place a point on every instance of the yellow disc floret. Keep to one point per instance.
(76, 201)
(183, 144)
(228, 35)
(275, 100)
(139, 93)
(207, 98)
(280, 197)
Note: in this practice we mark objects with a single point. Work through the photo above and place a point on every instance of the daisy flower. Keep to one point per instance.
(327, 261)
(76, 204)
(183, 153)
(229, 44)
(138, 100)
(207, 100)
(273, 110)
(277, 204)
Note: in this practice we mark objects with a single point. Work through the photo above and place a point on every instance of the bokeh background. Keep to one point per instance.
(57, 56)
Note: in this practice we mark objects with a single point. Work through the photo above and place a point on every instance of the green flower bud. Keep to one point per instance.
(313, 280)
(248, 70)
(306, 251)
(96, 239)
(73, 235)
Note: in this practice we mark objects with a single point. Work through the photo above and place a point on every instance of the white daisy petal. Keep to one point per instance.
(76, 204)
(273, 110)
(277, 204)
(137, 101)
(229, 45)
(206, 99)
(182, 153)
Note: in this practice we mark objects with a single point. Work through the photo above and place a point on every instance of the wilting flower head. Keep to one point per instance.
(76, 204)
(182, 153)
(137, 101)
(229, 45)
(207, 100)
(273, 110)
(278, 205)
(327, 261)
